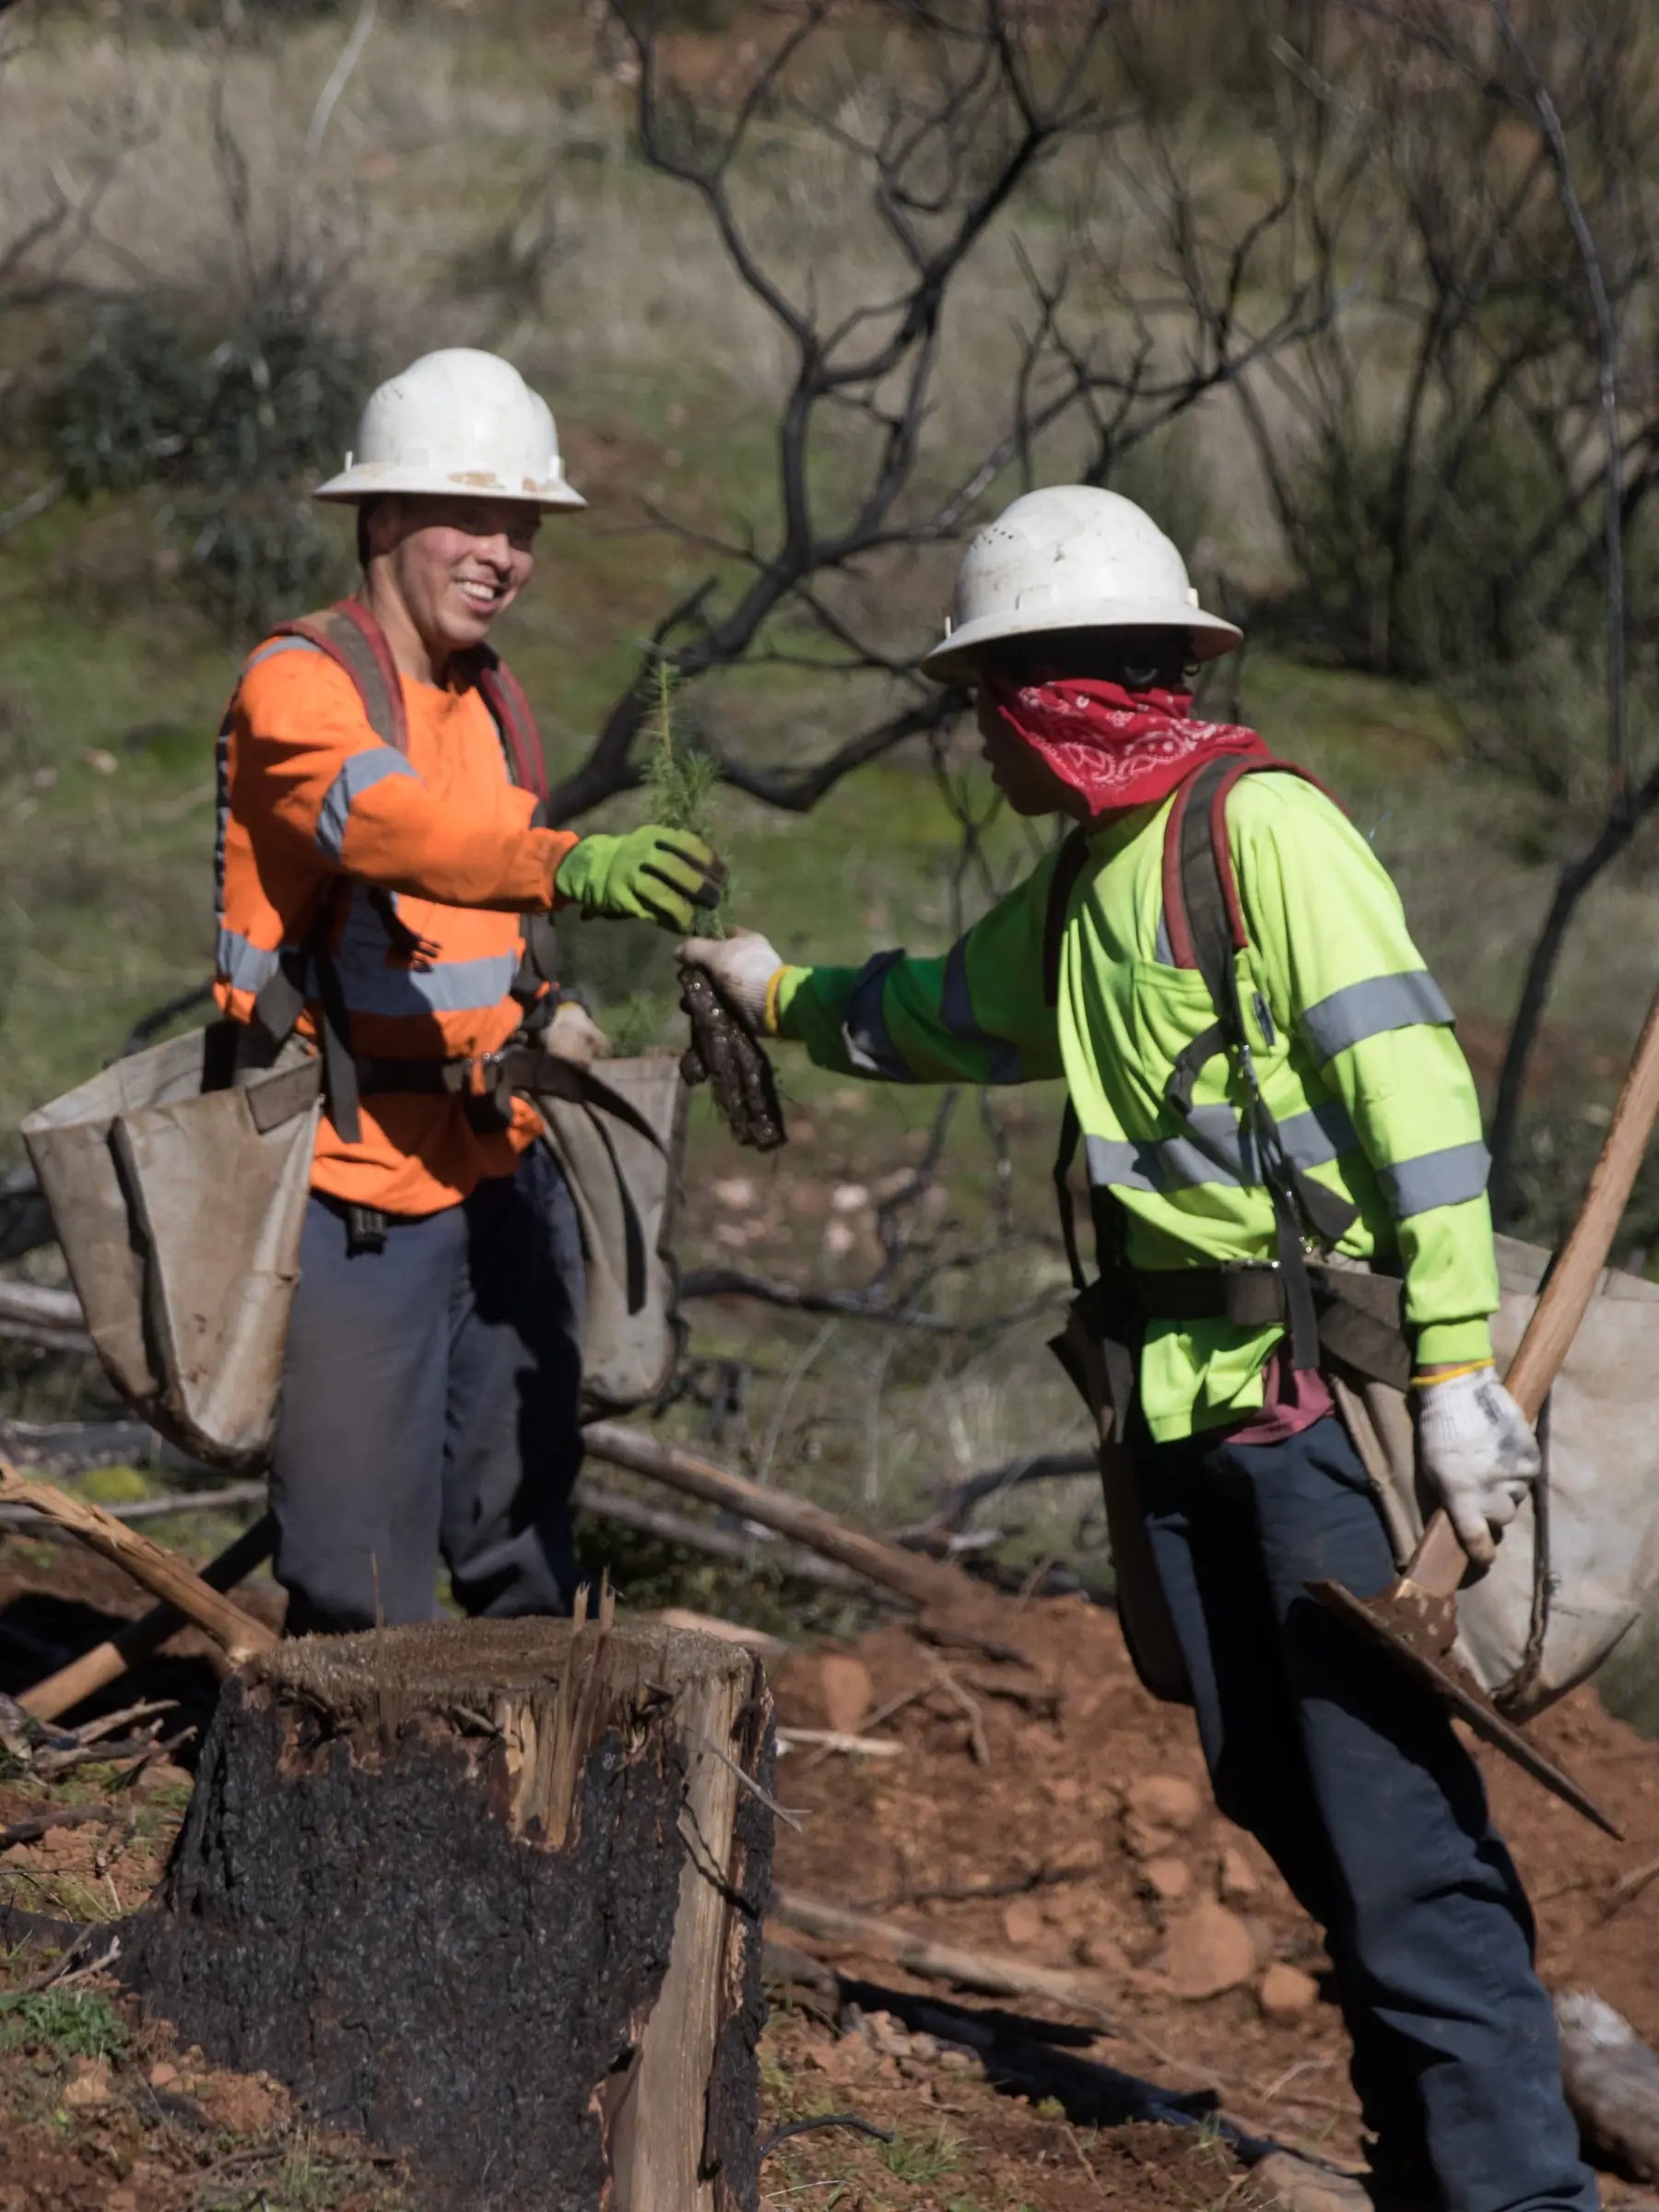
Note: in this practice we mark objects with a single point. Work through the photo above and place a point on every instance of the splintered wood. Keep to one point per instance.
(490, 1893)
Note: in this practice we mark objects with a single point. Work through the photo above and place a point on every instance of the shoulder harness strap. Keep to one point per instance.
(355, 642)
(1204, 922)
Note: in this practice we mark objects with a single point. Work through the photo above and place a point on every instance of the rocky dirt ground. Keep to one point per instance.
(1036, 1804)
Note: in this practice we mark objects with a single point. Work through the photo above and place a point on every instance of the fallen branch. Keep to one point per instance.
(61, 1691)
(921, 1581)
(701, 1536)
(41, 1316)
(1612, 2082)
(856, 1305)
(838, 1739)
(160, 1571)
(49, 1765)
(229, 1498)
(70, 1447)
(995, 1973)
(956, 1504)
(41, 1824)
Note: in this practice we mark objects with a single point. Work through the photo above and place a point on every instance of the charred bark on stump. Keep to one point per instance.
(490, 1895)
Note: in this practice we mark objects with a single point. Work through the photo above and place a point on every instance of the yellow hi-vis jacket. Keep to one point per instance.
(1356, 1059)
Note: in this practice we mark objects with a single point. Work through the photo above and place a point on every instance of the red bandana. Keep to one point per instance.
(1117, 748)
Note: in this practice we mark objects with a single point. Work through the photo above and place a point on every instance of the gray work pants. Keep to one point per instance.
(431, 1404)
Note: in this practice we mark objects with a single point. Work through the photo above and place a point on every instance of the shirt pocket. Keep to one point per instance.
(1168, 1007)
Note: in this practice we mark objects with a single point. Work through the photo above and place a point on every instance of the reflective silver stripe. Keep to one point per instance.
(865, 1032)
(1214, 1150)
(1367, 1009)
(1162, 948)
(360, 774)
(956, 1010)
(276, 645)
(372, 986)
(1448, 1178)
(245, 966)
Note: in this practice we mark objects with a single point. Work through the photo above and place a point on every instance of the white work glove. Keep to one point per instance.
(1479, 1455)
(573, 1034)
(741, 968)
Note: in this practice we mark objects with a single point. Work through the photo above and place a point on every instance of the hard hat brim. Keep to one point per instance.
(955, 660)
(368, 479)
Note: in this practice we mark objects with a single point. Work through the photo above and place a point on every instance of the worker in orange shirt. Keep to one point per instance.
(383, 862)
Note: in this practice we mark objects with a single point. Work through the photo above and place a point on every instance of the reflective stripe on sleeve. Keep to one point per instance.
(865, 1032)
(1367, 1009)
(956, 1010)
(360, 774)
(243, 965)
(1446, 1178)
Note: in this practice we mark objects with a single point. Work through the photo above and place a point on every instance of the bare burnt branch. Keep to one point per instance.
(798, 791)
(983, 97)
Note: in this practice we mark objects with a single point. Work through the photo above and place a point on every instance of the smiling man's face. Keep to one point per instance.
(454, 564)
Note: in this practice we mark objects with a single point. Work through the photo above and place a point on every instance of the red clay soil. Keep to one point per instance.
(1085, 1804)
(1051, 1780)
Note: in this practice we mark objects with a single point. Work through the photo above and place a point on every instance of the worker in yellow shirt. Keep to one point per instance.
(1284, 1151)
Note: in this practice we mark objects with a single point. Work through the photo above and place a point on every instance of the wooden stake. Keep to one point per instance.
(163, 1573)
(107, 1662)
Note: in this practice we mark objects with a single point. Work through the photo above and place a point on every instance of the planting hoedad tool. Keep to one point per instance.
(1415, 1618)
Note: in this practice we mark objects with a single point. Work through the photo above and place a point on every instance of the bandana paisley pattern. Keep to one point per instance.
(1117, 748)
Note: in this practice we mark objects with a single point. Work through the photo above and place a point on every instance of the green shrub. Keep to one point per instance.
(233, 421)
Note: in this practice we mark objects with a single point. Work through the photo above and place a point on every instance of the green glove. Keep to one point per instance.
(651, 874)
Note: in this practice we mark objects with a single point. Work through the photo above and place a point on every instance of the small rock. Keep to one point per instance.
(1209, 1950)
(1169, 1878)
(1285, 1993)
(162, 2075)
(161, 1774)
(924, 2045)
(1165, 1801)
(1062, 1789)
(120, 2200)
(845, 1689)
(848, 1198)
(89, 2089)
(1100, 1951)
(737, 1193)
(1294, 2185)
(1145, 1839)
(1236, 1877)
(236, 2102)
(956, 2058)
(1022, 1921)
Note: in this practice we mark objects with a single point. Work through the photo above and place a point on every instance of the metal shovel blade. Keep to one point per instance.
(1399, 1628)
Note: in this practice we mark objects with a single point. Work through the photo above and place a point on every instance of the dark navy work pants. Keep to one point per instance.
(1352, 1779)
(431, 1404)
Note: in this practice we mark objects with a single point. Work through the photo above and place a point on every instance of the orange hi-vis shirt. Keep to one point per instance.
(308, 793)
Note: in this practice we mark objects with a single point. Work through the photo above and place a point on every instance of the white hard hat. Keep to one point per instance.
(455, 422)
(1070, 558)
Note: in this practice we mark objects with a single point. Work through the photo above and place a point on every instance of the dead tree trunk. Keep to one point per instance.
(491, 1894)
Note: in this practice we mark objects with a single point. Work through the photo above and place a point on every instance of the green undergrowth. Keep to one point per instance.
(71, 2023)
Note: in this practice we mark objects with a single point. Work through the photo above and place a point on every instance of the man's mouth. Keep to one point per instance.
(486, 596)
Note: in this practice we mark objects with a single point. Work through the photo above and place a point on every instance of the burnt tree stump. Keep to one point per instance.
(491, 1894)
